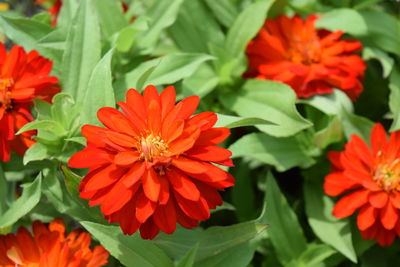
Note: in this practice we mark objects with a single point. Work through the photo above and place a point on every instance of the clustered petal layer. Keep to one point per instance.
(154, 164)
(24, 76)
(311, 61)
(49, 246)
(369, 179)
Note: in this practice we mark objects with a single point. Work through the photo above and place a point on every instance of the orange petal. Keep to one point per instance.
(209, 153)
(183, 185)
(151, 185)
(126, 158)
(347, 205)
(389, 216)
(188, 165)
(378, 199)
(168, 99)
(366, 217)
(212, 136)
(165, 217)
(144, 208)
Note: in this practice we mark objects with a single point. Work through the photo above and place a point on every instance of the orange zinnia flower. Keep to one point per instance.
(49, 246)
(370, 178)
(23, 77)
(311, 61)
(153, 165)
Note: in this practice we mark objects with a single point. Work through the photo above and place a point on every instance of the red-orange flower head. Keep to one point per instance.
(311, 61)
(153, 165)
(369, 176)
(23, 77)
(49, 246)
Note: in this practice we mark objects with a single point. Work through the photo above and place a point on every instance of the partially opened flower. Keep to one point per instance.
(153, 165)
(369, 178)
(50, 246)
(311, 61)
(24, 76)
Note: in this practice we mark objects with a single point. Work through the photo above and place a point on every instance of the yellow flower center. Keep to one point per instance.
(387, 175)
(5, 93)
(152, 147)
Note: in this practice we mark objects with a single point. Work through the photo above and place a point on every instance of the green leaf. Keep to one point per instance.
(128, 36)
(285, 231)
(234, 121)
(29, 199)
(195, 28)
(314, 256)
(283, 153)
(386, 61)
(162, 15)
(246, 26)
(100, 92)
(338, 103)
(82, 52)
(344, 19)
(129, 250)
(71, 180)
(48, 125)
(36, 152)
(330, 230)
(111, 16)
(394, 99)
(382, 29)
(224, 10)
(332, 133)
(270, 101)
(23, 31)
(189, 258)
(201, 82)
(165, 70)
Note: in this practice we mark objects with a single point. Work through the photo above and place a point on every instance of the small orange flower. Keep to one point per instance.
(154, 164)
(311, 61)
(369, 176)
(23, 77)
(49, 246)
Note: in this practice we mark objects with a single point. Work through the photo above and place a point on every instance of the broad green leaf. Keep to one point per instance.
(314, 256)
(166, 70)
(284, 231)
(386, 61)
(394, 99)
(23, 31)
(338, 103)
(283, 153)
(243, 194)
(270, 101)
(29, 199)
(201, 82)
(64, 202)
(195, 28)
(189, 258)
(330, 230)
(111, 16)
(71, 180)
(128, 36)
(330, 134)
(36, 152)
(344, 19)
(234, 121)
(129, 250)
(217, 239)
(383, 30)
(225, 11)
(48, 125)
(100, 92)
(162, 14)
(246, 26)
(83, 48)
(67, 13)
(175, 67)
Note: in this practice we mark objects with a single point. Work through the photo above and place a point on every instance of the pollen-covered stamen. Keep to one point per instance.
(5, 93)
(387, 175)
(152, 147)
